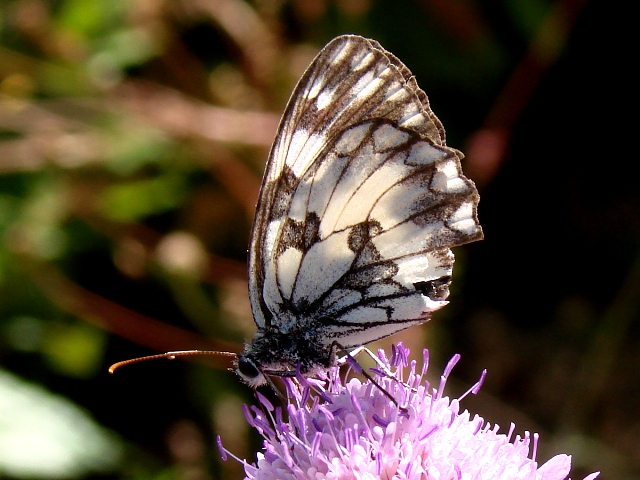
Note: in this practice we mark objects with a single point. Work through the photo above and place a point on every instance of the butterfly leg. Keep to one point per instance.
(382, 367)
(357, 351)
(353, 353)
(349, 359)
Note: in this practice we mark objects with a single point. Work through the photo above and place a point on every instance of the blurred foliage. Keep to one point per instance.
(132, 139)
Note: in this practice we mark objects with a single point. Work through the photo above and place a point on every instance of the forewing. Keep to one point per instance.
(360, 202)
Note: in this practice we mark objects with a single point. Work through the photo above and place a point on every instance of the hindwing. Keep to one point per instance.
(360, 203)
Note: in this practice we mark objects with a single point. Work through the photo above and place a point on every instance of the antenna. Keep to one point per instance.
(170, 356)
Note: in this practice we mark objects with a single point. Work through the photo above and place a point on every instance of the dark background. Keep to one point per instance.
(132, 140)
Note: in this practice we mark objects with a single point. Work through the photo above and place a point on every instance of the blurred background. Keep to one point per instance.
(133, 134)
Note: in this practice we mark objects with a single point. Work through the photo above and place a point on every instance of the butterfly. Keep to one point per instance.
(360, 204)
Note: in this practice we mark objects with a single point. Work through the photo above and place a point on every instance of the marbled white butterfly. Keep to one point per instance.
(360, 204)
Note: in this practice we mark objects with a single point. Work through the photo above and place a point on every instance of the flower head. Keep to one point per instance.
(353, 430)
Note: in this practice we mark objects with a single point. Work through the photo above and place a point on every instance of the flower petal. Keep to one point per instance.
(556, 468)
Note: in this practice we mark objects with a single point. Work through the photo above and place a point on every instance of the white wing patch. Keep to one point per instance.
(287, 268)
(423, 153)
(387, 137)
(323, 265)
(323, 184)
(463, 219)
(325, 98)
(360, 204)
(303, 146)
(351, 139)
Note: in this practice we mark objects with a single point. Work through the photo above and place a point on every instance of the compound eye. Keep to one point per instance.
(247, 368)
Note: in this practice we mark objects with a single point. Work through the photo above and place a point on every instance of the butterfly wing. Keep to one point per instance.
(360, 203)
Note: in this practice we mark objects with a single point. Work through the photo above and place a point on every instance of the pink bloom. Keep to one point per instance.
(354, 431)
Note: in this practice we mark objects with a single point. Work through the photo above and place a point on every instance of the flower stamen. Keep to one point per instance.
(348, 429)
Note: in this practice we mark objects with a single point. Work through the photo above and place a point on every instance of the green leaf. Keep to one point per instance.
(130, 202)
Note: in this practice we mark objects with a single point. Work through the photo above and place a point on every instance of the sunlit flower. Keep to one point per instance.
(401, 429)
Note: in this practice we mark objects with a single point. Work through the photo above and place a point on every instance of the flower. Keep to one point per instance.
(387, 427)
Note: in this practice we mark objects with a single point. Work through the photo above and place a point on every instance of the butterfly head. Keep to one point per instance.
(277, 353)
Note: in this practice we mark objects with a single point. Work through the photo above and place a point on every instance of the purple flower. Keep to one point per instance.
(353, 430)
